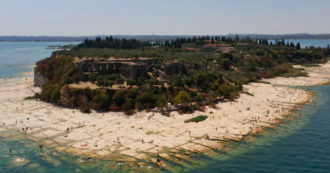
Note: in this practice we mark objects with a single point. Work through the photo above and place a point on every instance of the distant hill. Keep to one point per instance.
(157, 37)
(285, 36)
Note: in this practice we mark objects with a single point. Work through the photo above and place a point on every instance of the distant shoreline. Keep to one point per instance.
(157, 37)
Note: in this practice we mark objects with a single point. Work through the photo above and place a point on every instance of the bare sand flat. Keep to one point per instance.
(104, 134)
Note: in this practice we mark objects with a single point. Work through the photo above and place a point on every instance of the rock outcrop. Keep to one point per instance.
(39, 79)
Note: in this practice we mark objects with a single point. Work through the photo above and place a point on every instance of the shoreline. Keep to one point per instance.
(146, 134)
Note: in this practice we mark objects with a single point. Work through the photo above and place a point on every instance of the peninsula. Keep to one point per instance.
(144, 100)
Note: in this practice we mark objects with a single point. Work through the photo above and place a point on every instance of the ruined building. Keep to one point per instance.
(128, 69)
(226, 48)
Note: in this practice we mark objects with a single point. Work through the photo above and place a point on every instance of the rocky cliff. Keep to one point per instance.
(39, 79)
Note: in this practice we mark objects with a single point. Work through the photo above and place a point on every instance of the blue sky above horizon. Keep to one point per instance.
(162, 17)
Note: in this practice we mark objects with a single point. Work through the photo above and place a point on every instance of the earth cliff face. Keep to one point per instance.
(39, 79)
(68, 81)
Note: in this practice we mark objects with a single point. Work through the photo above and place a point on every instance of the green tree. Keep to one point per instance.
(109, 83)
(225, 62)
(298, 46)
(146, 100)
(161, 101)
(227, 91)
(204, 80)
(236, 39)
(119, 97)
(327, 53)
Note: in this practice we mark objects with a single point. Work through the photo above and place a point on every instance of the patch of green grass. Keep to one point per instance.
(295, 74)
(149, 132)
(196, 119)
(261, 81)
(248, 93)
(311, 65)
(36, 96)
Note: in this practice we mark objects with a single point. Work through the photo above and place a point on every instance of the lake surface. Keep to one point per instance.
(301, 144)
(309, 42)
(18, 57)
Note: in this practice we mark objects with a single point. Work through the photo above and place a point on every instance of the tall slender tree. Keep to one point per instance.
(298, 46)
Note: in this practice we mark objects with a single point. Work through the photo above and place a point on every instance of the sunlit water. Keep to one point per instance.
(300, 144)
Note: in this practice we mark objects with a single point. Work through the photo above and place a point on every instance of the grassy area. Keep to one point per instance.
(311, 65)
(261, 81)
(196, 119)
(36, 96)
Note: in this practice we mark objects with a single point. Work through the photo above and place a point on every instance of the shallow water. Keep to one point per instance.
(301, 144)
(19, 57)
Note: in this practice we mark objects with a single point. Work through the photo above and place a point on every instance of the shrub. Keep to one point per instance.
(225, 63)
(283, 68)
(182, 98)
(227, 91)
(129, 112)
(83, 104)
(132, 93)
(115, 108)
(128, 105)
(161, 101)
(204, 80)
(131, 82)
(266, 75)
(146, 100)
(100, 101)
(55, 96)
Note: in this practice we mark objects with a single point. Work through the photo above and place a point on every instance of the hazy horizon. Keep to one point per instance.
(162, 17)
(160, 35)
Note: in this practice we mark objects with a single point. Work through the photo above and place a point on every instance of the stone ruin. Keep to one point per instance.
(130, 69)
(127, 69)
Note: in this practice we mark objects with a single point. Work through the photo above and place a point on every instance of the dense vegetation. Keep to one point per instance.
(211, 76)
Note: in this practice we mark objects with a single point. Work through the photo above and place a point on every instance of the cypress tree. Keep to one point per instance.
(298, 46)
(328, 50)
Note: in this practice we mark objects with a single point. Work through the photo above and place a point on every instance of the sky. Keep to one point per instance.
(162, 17)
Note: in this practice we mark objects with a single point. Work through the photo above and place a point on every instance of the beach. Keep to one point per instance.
(140, 136)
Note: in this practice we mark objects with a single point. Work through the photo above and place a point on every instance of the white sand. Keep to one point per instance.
(316, 76)
(104, 134)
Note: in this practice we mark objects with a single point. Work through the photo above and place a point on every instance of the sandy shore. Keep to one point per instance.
(316, 76)
(108, 134)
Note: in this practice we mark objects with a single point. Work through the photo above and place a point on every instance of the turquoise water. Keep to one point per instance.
(18, 57)
(300, 144)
